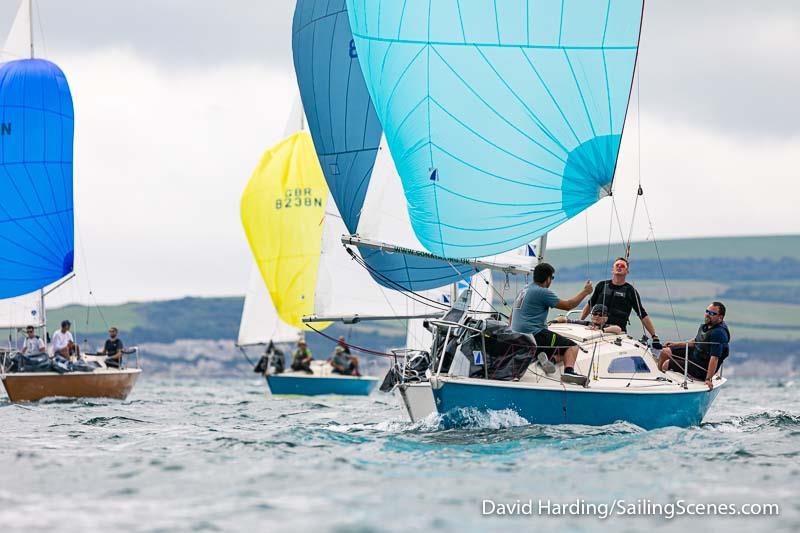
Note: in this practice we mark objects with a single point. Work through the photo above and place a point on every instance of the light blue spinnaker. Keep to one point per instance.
(504, 118)
(347, 135)
(36, 206)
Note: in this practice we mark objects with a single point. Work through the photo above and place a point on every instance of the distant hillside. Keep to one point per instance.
(758, 278)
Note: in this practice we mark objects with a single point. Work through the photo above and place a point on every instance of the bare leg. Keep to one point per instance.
(570, 356)
(664, 358)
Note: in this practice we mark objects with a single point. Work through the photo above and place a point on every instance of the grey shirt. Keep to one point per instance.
(531, 308)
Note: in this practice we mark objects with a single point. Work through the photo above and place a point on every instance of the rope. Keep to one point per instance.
(661, 267)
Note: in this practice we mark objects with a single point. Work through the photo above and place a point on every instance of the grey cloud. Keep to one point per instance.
(713, 63)
(175, 33)
(725, 65)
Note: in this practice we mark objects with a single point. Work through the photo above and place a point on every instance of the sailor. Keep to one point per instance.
(33, 344)
(621, 298)
(599, 318)
(63, 343)
(301, 359)
(706, 351)
(273, 357)
(530, 313)
(343, 363)
(113, 348)
(344, 345)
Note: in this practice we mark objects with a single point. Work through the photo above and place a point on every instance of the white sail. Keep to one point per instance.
(19, 44)
(260, 322)
(25, 310)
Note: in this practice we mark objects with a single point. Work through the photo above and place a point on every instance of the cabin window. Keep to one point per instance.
(628, 365)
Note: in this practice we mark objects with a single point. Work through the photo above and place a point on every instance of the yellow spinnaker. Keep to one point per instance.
(283, 208)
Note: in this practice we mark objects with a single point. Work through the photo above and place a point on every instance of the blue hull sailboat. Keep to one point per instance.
(500, 133)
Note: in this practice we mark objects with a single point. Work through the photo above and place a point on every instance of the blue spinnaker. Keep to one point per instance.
(36, 209)
(341, 118)
(347, 135)
(504, 118)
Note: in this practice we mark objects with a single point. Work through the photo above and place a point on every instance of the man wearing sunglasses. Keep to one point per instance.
(621, 298)
(33, 344)
(706, 352)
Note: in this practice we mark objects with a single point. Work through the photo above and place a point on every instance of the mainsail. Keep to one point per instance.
(504, 118)
(260, 322)
(36, 199)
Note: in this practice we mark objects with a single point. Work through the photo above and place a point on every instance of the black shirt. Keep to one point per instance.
(113, 346)
(620, 300)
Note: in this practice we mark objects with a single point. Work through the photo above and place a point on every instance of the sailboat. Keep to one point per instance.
(285, 213)
(501, 132)
(375, 227)
(36, 217)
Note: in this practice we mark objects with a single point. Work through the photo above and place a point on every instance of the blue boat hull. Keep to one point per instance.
(580, 406)
(316, 386)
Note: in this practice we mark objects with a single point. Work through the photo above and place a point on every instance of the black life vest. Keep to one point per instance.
(616, 299)
(702, 347)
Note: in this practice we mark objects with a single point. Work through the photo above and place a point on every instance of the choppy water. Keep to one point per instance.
(219, 455)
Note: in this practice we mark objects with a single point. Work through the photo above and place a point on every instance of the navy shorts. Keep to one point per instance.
(551, 343)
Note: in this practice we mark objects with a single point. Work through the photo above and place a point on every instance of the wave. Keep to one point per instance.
(776, 418)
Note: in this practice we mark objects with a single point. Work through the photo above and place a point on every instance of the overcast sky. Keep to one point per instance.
(176, 100)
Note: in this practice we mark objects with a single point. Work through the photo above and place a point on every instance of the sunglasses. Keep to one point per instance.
(709, 312)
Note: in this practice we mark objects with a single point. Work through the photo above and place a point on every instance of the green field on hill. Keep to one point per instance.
(729, 269)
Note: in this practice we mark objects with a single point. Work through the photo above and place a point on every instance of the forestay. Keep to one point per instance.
(504, 118)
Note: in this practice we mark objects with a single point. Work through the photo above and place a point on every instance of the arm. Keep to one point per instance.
(572, 303)
(612, 329)
(713, 362)
(593, 300)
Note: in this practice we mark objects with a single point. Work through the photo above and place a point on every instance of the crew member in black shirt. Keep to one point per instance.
(113, 348)
(621, 298)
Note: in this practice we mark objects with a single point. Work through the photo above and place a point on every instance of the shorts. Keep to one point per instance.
(552, 344)
(696, 370)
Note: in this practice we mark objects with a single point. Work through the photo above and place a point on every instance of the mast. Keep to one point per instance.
(30, 27)
(542, 247)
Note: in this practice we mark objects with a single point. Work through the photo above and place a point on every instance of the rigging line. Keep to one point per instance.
(661, 267)
(639, 191)
(588, 262)
(352, 346)
(472, 287)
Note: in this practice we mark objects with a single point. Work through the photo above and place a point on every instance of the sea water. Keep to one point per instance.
(205, 455)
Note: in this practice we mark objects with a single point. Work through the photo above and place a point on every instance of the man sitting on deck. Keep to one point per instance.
(113, 348)
(529, 315)
(599, 318)
(63, 343)
(343, 363)
(301, 359)
(32, 344)
(705, 353)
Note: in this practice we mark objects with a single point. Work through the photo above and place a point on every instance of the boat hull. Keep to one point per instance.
(31, 387)
(417, 399)
(578, 406)
(311, 385)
